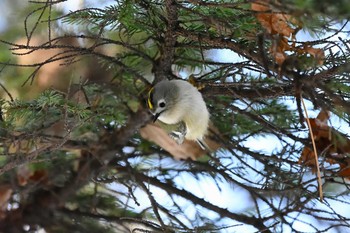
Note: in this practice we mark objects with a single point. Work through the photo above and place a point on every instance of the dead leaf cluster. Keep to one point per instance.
(330, 143)
(282, 29)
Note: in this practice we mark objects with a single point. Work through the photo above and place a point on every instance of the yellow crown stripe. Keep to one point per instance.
(149, 101)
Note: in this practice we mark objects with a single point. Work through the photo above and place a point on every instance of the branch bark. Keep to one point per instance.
(162, 68)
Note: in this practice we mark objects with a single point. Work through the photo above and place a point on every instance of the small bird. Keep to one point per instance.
(179, 104)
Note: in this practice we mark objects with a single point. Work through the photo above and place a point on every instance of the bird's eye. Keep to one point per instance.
(161, 104)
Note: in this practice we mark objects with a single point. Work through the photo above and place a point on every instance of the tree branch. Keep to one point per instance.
(256, 222)
(163, 69)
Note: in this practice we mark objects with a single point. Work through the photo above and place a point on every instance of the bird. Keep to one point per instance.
(180, 109)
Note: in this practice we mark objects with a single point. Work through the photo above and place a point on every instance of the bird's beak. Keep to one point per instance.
(156, 116)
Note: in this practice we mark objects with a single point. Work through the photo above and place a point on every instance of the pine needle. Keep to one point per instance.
(319, 181)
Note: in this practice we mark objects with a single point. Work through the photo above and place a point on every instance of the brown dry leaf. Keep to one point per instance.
(329, 141)
(279, 57)
(319, 126)
(307, 158)
(274, 23)
(322, 137)
(345, 170)
(187, 150)
(323, 116)
(5, 195)
(281, 25)
(25, 175)
(40, 175)
(263, 18)
(318, 54)
(278, 48)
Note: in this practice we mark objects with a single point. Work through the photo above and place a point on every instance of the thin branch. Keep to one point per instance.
(196, 200)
